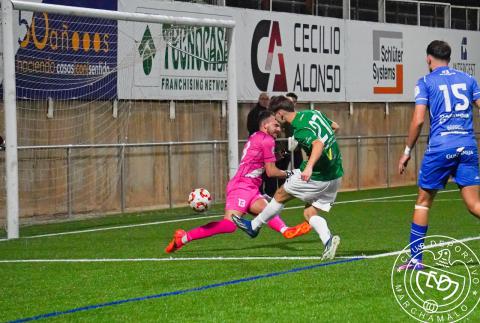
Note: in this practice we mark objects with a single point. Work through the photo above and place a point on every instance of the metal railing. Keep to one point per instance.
(388, 139)
(121, 158)
(122, 147)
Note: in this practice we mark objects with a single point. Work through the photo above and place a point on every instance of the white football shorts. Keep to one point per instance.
(317, 193)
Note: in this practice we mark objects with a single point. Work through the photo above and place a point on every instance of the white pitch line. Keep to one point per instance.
(156, 259)
(116, 227)
(388, 197)
(198, 218)
(403, 201)
(395, 253)
(370, 199)
(380, 255)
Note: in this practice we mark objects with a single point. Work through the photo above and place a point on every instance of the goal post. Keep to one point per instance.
(10, 108)
(10, 95)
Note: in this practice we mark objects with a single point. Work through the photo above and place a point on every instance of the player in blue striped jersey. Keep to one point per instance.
(447, 94)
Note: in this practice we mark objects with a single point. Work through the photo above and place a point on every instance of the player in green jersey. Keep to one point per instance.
(318, 179)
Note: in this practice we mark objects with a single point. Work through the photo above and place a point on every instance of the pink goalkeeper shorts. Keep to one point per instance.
(239, 198)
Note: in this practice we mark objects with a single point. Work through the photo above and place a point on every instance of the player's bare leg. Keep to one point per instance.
(422, 206)
(229, 213)
(258, 206)
(180, 237)
(281, 196)
(471, 199)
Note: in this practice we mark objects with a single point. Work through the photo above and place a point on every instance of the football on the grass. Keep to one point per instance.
(199, 199)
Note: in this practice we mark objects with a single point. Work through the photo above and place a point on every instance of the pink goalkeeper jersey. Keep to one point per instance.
(258, 150)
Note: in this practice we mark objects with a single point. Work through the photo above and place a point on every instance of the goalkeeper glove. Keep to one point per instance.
(292, 143)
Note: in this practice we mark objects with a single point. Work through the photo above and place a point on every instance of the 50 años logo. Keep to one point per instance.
(57, 35)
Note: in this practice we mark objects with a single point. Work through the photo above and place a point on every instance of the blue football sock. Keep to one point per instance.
(417, 234)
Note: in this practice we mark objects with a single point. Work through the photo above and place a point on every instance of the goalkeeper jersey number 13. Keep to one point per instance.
(310, 125)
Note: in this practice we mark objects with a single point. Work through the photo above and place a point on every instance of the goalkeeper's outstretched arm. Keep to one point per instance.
(273, 171)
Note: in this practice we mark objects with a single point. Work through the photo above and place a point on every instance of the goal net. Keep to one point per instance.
(117, 111)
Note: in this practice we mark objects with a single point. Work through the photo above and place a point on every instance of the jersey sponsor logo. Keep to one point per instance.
(445, 117)
(387, 64)
(460, 152)
(446, 133)
(447, 73)
(455, 127)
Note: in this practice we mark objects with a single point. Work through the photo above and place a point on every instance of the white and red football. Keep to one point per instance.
(199, 199)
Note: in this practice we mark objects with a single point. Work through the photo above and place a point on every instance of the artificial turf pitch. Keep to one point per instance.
(129, 283)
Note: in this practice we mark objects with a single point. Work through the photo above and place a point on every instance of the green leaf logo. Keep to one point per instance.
(147, 51)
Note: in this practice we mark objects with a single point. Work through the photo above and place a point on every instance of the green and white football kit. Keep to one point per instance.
(321, 190)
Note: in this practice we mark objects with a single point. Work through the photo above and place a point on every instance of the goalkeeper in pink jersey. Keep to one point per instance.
(243, 195)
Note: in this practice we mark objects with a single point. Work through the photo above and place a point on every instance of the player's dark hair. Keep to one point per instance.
(281, 103)
(264, 115)
(292, 95)
(440, 50)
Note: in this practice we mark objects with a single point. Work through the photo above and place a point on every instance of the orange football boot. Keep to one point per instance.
(296, 231)
(176, 242)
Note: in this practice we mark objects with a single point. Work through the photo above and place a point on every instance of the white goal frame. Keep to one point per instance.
(9, 86)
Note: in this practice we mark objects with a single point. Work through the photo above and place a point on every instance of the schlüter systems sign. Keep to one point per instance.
(384, 62)
(66, 57)
(301, 54)
(387, 66)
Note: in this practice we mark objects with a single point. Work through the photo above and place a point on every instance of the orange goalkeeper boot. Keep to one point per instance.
(176, 242)
(296, 231)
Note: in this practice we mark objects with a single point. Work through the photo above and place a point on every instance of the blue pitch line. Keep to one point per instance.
(183, 291)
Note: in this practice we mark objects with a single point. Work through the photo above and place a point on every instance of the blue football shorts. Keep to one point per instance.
(437, 166)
